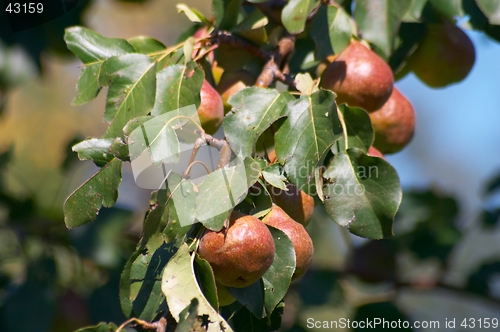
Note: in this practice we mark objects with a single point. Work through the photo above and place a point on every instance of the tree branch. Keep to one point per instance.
(271, 70)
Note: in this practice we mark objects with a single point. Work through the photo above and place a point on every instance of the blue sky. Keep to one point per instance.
(456, 146)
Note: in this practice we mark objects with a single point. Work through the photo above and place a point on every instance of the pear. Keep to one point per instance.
(211, 110)
(444, 56)
(393, 124)
(223, 295)
(359, 77)
(295, 202)
(240, 254)
(232, 82)
(301, 240)
(373, 152)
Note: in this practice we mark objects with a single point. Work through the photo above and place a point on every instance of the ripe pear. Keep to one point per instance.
(359, 77)
(445, 55)
(225, 298)
(393, 124)
(232, 82)
(240, 254)
(373, 152)
(295, 202)
(301, 240)
(211, 110)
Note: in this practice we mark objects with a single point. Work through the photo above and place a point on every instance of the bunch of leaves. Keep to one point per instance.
(321, 147)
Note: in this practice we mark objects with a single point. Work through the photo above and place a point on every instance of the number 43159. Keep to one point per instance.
(25, 8)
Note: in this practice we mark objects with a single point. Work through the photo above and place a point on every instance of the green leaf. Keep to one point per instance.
(273, 175)
(146, 45)
(180, 286)
(88, 85)
(92, 49)
(206, 280)
(188, 317)
(253, 111)
(101, 327)
(132, 85)
(145, 282)
(251, 297)
(362, 193)
(83, 205)
(160, 138)
(450, 8)
(253, 27)
(295, 13)
(96, 149)
(491, 9)
(378, 21)
(278, 277)
(312, 126)
(230, 185)
(305, 84)
(331, 30)
(178, 86)
(414, 13)
(359, 128)
(226, 13)
(192, 14)
(119, 149)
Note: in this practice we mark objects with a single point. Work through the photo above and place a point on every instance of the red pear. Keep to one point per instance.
(393, 123)
(295, 202)
(301, 240)
(232, 82)
(211, 110)
(373, 152)
(445, 55)
(240, 254)
(359, 77)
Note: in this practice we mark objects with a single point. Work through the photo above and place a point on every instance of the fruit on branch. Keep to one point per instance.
(373, 152)
(202, 33)
(295, 202)
(225, 298)
(359, 77)
(445, 55)
(232, 82)
(301, 240)
(393, 124)
(211, 110)
(240, 254)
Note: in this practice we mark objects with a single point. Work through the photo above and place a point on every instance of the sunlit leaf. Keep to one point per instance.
(178, 86)
(132, 85)
(96, 149)
(295, 13)
(180, 286)
(253, 111)
(146, 45)
(92, 49)
(312, 126)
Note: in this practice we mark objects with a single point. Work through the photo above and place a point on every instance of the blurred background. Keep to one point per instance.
(444, 261)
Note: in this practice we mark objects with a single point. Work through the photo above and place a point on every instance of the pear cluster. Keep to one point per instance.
(241, 253)
(361, 78)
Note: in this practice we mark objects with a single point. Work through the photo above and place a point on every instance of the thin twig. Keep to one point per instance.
(271, 70)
